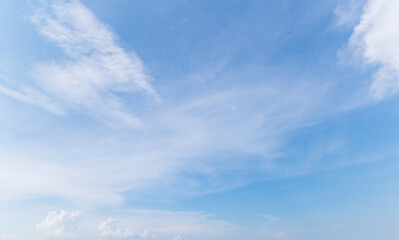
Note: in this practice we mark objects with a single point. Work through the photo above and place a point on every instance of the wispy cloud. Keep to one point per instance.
(137, 224)
(228, 127)
(176, 145)
(59, 224)
(213, 141)
(95, 71)
(33, 97)
(348, 12)
(166, 225)
(153, 224)
(376, 37)
(183, 225)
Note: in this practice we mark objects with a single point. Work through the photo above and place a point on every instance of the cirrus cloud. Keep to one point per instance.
(94, 72)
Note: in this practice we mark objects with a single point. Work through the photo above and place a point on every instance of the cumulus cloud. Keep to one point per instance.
(61, 223)
(376, 37)
(108, 229)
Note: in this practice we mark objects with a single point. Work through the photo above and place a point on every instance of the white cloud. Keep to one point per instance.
(376, 37)
(96, 68)
(108, 229)
(59, 224)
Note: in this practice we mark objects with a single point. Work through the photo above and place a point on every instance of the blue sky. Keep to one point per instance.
(194, 120)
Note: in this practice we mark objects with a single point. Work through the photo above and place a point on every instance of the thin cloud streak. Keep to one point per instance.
(32, 97)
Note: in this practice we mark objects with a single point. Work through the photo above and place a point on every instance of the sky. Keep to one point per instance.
(199, 120)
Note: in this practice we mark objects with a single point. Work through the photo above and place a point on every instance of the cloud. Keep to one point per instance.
(33, 97)
(197, 146)
(348, 12)
(217, 140)
(108, 229)
(155, 224)
(95, 71)
(59, 224)
(376, 38)
(270, 218)
(186, 225)
(166, 225)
